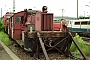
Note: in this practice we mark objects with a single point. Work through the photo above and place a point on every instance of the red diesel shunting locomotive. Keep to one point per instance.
(35, 29)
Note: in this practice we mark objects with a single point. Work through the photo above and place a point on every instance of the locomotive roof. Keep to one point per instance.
(17, 12)
(24, 11)
(27, 10)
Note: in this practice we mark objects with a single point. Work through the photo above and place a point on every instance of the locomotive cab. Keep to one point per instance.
(6, 18)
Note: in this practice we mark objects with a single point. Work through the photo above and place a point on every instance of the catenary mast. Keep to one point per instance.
(13, 6)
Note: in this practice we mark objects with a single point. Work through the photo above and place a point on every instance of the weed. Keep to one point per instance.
(4, 37)
(85, 48)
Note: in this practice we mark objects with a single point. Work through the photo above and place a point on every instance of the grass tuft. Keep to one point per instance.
(4, 38)
(85, 48)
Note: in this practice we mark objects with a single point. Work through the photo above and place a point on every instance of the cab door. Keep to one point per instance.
(16, 27)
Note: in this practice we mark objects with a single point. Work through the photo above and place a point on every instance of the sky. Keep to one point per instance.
(54, 6)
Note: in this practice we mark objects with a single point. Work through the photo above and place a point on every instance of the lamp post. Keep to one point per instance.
(34, 7)
(13, 6)
(84, 14)
(1, 13)
(89, 18)
(88, 6)
(62, 12)
(77, 9)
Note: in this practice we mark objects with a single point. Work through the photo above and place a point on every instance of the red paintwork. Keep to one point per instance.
(38, 22)
(47, 21)
(57, 26)
(5, 19)
(18, 28)
(44, 22)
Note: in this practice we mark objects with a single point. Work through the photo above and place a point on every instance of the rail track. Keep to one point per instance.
(53, 55)
(23, 55)
(19, 54)
(85, 38)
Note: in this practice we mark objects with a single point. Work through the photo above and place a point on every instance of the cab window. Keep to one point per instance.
(18, 19)
(7, 16)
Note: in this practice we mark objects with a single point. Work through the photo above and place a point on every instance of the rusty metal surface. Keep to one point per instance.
(47, 34)
(47, 22)
(40, 42)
